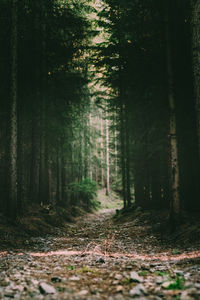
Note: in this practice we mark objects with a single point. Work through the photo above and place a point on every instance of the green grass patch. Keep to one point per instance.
(178, 284)
(162, 273)
(88, 270)
(128, 282)
(143, 273)
(176, 251)
(70, 268)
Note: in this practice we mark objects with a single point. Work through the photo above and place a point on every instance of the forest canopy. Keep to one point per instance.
(100, 91)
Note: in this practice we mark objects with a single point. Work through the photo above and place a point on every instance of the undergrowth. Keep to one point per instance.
(84, 194)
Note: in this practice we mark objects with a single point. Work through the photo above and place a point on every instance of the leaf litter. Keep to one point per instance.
(100, 258)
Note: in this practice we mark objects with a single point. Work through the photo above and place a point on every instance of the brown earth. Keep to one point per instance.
(99, 257)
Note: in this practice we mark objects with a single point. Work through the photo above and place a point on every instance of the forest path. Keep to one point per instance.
(99, 258)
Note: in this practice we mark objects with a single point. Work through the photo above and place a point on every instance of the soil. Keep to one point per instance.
(99, 256)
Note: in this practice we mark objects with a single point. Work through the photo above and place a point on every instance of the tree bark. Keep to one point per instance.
(12, 209)
(107, 156)
(123, 162)
(102, 154)
(36, 110)
(59, 176)
(116, 149)
(173, 159)
(195, 5)
(128, 190)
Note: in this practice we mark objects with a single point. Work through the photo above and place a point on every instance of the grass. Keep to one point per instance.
(70, 267)
(161, 273)
(178, 284)
(143, 273)
(88, 270)
(112, 201)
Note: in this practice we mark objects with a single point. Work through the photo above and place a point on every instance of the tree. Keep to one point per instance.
(173, 152)
(12, 204)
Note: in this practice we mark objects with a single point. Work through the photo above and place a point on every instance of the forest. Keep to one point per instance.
(100, 149)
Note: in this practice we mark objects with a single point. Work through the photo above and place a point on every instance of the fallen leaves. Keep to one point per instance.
(87, 261)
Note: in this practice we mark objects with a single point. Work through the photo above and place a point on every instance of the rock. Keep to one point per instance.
(118, 276)
(135, 277)
(188, 284)
(160, 268)
(129, 267)
(56, 279)
(9, 295)
(19, 288)
(100, 261)
(179, 272)
(188, 294)
(34, 282)
(145, 266)
(166, 284)
(46, 288)
(138, 290)
(115, 282)
(197, 285)
(159, 280)
(74, 278)
(119, 288)
(82, 293)
(4, 282)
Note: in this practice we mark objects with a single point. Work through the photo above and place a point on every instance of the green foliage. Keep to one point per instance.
(178, 284)
(175, 251)
(143, 273)
(70, 267)
(84, 193)
(161, 273)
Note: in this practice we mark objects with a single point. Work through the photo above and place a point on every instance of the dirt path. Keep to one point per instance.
(97, 258)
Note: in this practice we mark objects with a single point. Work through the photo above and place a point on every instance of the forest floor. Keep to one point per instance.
(101, 257)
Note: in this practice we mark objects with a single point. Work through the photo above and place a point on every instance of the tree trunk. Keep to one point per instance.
(107, 156)
(59, 176)
(43, 184)
(195, 4)
(102, 154)
(63, 181)
(36, 112)
(123, 162)
(173, 159)
(128, 191)
(12, 209)
(21, 167)
(116, 150)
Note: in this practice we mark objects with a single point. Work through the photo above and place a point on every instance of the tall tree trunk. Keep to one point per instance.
(128, 190)
(81, 142)
(36, 111)
(107, 156)
(63, 181)
(195, 5)
(90, 162)
(102, 153)
(59, 176)
(123, 158)
(21, 166)
(43, 184)
(12, 209)
(116, 150)
(174, 163)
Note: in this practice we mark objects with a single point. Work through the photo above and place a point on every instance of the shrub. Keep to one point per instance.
(84, 194)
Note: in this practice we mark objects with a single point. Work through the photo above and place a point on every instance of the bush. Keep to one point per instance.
(84, 194)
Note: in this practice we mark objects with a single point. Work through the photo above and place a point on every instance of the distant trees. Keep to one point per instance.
(147, 62)
(123, 112)
(44, 98)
